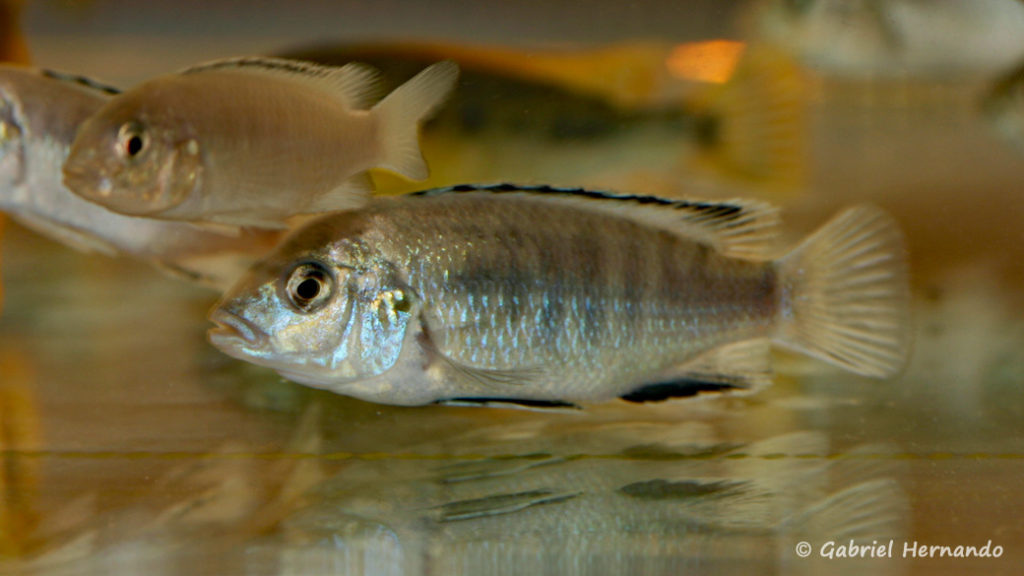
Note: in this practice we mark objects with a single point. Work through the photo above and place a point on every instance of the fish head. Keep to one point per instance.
(323, 318)
(12, 142)
(134, 157)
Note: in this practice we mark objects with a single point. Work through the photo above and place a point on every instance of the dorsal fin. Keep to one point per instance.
(739, 228)
(357, 85)
(81, 81)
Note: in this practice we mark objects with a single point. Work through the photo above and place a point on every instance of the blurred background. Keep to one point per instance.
(130, 445)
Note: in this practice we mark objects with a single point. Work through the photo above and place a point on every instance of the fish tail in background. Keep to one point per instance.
(402, 111)
(844, 296)
(752, 129)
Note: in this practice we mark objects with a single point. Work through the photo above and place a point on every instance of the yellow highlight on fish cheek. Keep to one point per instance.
(301, 338)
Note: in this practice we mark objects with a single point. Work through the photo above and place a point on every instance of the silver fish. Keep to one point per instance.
(251, 141)
(39, 113)
(552, 295)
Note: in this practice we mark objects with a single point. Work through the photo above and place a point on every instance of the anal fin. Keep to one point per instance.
(739, 368)
(684, 388)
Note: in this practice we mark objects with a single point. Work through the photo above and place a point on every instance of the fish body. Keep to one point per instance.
(541, 294)
(251, 141)
(40, 112)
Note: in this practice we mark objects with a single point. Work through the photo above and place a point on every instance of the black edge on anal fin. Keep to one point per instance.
(678, 389)
(510, 402)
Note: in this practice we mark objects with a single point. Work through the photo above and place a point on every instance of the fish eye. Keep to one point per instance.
(132, 140)
(309, 286)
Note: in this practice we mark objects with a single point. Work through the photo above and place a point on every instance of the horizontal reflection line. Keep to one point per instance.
(182, 455)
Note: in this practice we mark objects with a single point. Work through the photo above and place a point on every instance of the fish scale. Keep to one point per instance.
(569, 310)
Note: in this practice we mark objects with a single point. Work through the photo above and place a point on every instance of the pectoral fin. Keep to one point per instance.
(481, 383)
(77, 239)
(352, 193)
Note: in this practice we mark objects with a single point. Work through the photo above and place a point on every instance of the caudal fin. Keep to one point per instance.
(844, 295)
(401, 113)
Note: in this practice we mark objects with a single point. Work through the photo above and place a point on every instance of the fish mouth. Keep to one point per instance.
(86, 183)
(230, 328)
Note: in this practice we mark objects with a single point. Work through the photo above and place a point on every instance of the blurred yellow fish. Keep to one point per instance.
(632, 115)
(754, 128)
(628, 75)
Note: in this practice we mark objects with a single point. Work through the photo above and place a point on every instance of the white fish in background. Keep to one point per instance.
(39, 113)
(252, 141)
(895, 37)
(544, 296)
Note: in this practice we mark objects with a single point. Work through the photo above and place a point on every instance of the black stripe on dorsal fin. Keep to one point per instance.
(742, 228)
(357, 85)
(261, 63)
(81, 81)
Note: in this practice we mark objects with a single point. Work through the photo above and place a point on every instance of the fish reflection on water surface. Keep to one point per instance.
(542, 295)
(661, 507)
